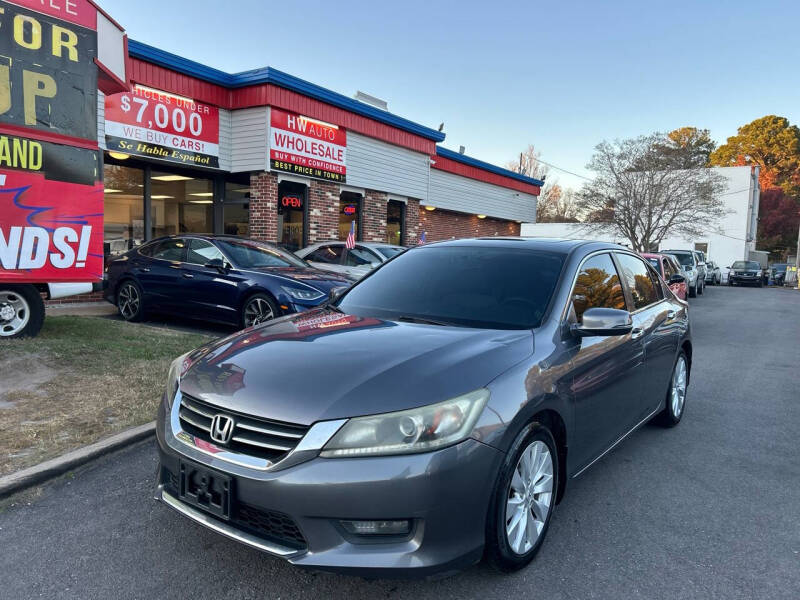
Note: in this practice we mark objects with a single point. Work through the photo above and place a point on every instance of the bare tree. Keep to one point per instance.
(528, 164)
(557, 205)
(634, 196)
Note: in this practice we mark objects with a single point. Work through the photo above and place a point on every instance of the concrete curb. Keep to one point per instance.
(15, 482)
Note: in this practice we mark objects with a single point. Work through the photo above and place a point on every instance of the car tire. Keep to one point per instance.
(701, 287)
(692, 291)
(257, 309)
(25, 309)
(511, 547)
(675, 403)
(130, 301)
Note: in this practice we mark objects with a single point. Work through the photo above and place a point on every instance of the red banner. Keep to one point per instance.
(49, 230)
(156, 124)
(305, 146)
(78, 12)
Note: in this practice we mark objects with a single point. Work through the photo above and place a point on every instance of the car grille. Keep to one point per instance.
(267, 524)
(262, 438)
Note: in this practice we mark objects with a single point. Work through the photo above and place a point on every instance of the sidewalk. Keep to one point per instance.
(84, 309)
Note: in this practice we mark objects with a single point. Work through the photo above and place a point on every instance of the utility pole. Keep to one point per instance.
(797, 259)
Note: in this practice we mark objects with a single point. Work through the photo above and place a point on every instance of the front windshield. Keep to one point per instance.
(247, 254)
(654, 262)
(684, 259)
(390, 251)
(746, 264)
(470, 286)
(780, 268)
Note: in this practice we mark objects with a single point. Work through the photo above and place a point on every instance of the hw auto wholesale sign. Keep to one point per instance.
(304, 146)
(51, 203)
(160, 125)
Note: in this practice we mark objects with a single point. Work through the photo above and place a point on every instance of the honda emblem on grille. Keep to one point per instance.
(221, 429)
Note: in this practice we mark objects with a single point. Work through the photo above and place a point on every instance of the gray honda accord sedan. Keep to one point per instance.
(430, 415)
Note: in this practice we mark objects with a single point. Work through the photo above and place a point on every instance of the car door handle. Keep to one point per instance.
(188, 275)
(637, 333)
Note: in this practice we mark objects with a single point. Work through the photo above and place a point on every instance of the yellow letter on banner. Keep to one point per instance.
(34, 85)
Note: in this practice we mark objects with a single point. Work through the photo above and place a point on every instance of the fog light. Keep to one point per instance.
(400, 527)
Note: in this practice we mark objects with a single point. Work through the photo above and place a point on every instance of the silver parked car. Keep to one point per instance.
(429, 415)
(695, 269)
(353, 263)
(713, 273)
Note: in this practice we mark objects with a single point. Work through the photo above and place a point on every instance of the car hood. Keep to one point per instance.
(322, 280)
(323, 364)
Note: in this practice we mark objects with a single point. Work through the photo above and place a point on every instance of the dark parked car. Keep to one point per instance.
(438, 409)
(745, 272)
(215, 278)
(778, 272)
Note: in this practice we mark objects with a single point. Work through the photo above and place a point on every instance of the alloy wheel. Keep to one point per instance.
(678, 391)
(530, 496)
(14, 313)
(129, 301)
(257, 311)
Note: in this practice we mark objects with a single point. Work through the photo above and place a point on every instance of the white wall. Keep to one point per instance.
(376, 165)
(728, 240)
(462, 194)
(249, 129)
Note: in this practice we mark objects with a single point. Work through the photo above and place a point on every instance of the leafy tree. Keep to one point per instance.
(636, 197)
(778, 224)
(686, 148)
(771, 143)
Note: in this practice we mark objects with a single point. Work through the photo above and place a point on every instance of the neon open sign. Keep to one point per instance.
(292, 202)
(350, 209)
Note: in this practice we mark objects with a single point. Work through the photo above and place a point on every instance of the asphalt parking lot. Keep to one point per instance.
(710, 509)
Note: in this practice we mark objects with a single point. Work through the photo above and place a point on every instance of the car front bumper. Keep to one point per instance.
(445, 494)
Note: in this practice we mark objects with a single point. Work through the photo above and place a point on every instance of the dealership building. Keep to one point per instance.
(267, 155)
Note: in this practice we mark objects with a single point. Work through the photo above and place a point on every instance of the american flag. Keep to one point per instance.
(351, 237)
(421, 239)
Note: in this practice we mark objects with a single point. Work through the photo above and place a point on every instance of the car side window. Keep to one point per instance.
(172, 249)
(357, 257)
(597, 286)
(669, 269)
(639, 281)
(202, 251)
(327, 254)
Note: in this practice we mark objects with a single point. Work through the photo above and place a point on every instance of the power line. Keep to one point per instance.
(552, 166)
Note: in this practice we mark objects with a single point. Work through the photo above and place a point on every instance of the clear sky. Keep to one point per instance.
(561, 75)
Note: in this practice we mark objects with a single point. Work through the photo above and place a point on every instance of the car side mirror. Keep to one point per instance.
(216, 263)
(677, 278)
(603, 321)
(336, 293)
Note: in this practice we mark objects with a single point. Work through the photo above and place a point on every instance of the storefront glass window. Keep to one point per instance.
(236, 209)
(181, 204)
(395, 227)
(349, 212)
(291, 215)
(123, 226)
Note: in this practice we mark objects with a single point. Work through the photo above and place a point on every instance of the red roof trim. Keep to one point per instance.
(160, 78)
(45, 136)
(451, 166)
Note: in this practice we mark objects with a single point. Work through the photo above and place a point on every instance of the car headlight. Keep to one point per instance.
(177, 369)
(408, 431)
(302, 293)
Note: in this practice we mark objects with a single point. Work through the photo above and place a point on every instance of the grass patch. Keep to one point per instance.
(81, 379)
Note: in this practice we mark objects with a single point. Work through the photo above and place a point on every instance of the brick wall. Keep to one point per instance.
(412, 222)
(92, 297)
(373, 216)
(264, 206)
(444, 225)
(323, 211)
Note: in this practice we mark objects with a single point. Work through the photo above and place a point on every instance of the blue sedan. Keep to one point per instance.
(215, 278)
